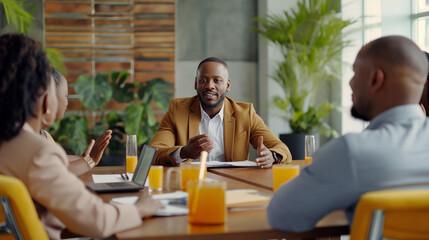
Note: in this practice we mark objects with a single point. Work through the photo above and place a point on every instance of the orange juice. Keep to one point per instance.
(131, 163)
(155, 178)
(210, 229)
(308, 160)
(188, 172)
(283, 173)
(206, 202)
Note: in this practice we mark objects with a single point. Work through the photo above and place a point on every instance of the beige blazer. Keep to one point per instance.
(61, 199)
(241, 126)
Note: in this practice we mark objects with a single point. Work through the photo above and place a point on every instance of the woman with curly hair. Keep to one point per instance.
(61, 199)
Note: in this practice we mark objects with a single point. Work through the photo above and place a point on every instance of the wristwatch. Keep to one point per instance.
(89, 160)
(276, 157)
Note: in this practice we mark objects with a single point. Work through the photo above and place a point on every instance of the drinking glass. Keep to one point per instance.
(283, 173)
(310, 148)
(131, 153)
(155, 178)
(184, 173)
(206, 201)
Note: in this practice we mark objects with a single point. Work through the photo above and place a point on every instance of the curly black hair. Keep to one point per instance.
(24, 77)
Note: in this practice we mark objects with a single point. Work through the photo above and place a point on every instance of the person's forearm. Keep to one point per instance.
(77, 166)
(73, 158)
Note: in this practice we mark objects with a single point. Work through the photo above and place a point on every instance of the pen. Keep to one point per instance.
(124, 176)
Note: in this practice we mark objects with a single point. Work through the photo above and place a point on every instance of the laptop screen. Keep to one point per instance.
(145, 161)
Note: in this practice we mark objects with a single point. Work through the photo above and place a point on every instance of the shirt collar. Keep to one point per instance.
(220, 113)
(395, 114)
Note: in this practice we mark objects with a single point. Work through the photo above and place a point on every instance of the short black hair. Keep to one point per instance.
(24, 77)
(427, 79)
(58, 76)
(213, 59)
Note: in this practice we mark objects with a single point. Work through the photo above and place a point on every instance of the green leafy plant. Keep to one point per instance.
(73, 131)
(17, 15)
(311, 40)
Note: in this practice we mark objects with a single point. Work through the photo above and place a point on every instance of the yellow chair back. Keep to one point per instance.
(18, 216)
(393, 214)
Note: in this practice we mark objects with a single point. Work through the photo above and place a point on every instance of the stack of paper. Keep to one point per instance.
(245, 198)
(217, 164)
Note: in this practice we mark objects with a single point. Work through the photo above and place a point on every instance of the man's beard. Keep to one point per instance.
(358, 115)
(215, 105)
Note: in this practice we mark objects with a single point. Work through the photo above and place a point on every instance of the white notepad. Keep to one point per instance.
(169, 209)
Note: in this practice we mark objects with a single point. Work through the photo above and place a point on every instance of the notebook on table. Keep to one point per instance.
(139, 177)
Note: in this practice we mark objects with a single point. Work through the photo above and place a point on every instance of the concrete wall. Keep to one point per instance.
(220, 28)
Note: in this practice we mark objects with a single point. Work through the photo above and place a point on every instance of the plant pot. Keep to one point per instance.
(296, 143)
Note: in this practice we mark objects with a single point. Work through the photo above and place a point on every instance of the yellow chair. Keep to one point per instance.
(392, 214)
(18, 217)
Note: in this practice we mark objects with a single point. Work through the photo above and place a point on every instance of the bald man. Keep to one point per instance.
(392, 152)
(424, 101)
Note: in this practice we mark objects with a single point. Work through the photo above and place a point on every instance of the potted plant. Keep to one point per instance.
(74, 130)
(311, 40)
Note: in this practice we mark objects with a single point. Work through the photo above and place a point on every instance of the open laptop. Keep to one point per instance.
(139, 178)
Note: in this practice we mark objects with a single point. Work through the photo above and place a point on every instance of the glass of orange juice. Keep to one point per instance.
(186, 171)
(310, 148)
(131, 153)
(155, 178)
(206, 201)
(283, 173)
(189, 171)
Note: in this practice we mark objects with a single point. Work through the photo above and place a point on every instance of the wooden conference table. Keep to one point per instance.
(240, 224)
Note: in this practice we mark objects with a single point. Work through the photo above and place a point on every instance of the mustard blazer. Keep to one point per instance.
(241, 126)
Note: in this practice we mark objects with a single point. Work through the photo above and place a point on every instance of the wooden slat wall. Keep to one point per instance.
(98, 36)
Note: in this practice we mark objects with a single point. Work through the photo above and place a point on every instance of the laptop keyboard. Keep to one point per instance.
(120, 184)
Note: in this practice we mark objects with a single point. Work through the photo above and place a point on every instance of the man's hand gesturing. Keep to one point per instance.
(196, 145)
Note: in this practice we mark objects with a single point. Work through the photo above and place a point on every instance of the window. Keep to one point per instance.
(421, 23)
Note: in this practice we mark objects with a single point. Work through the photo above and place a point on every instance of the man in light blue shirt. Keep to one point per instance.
(393, 152)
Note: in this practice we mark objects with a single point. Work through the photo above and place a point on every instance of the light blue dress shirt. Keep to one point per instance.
(393, 152)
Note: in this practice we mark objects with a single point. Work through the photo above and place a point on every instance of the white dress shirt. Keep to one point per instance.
(214, 128)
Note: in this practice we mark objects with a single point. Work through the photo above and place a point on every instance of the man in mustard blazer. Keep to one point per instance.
(212, 122)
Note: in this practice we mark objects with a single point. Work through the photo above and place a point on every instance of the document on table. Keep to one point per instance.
(108, 178)
(217, 164)
(166, 199)
(242, 198)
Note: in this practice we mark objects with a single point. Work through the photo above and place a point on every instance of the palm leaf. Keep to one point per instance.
(17, 15)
